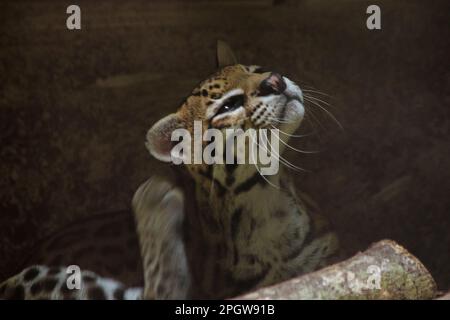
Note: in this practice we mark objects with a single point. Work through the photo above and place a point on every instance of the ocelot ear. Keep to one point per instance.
(225, 56)
(159, 137)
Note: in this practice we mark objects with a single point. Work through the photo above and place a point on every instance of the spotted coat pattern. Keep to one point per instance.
(205, 231)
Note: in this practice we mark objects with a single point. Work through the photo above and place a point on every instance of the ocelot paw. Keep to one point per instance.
(157, 195)
(159, 211)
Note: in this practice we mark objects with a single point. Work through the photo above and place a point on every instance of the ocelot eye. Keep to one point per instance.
(232, 103)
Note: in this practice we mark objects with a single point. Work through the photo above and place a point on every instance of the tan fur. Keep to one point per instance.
(207, 231)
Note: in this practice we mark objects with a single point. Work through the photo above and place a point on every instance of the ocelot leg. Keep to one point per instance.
(159, 211)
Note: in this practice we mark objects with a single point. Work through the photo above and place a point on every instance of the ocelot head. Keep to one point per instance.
(235, 97)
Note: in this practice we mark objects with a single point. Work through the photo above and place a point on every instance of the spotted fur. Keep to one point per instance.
(43, 283)
(205, 231)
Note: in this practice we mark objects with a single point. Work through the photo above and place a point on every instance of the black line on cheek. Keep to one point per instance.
(216, 96)
(249, 183)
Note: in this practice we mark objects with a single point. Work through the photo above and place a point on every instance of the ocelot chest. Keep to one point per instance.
(237, 243)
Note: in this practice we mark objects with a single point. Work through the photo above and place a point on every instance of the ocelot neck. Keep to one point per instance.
(223, 191)
(230, 217)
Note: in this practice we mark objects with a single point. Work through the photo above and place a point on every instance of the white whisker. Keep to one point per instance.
(317, 99)
(316, 91)
(256, 166)
(325, 110)
(295, 149)
(280, 120)
(283, 160)
(292, 135)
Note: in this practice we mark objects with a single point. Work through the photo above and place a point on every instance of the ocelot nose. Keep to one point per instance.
(273, 84)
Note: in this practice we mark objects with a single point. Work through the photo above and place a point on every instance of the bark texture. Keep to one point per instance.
(384, 271)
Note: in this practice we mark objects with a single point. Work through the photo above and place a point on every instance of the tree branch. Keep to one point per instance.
(384, 271)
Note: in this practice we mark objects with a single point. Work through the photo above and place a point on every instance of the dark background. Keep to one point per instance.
(75, 106)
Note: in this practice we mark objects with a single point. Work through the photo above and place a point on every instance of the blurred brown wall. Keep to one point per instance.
(75, 106)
